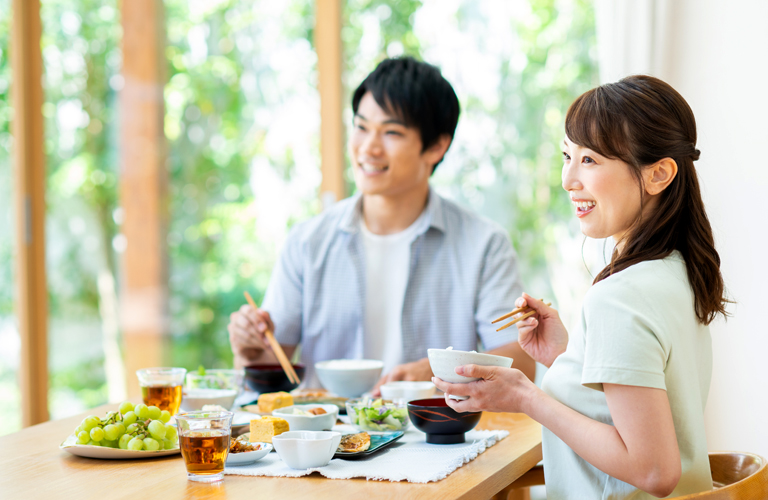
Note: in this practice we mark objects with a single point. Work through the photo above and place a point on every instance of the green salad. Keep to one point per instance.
(379, 416)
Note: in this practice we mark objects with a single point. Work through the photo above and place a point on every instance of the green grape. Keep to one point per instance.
(165, 416)
(168, 444)
(151, 445)
(123, 442)
(120, 428)
(109, 444)
(90, 422)
(97, 433)
(170, 433)
(130, 418)
(78, 429)
(142, 411)
(93, 443)
(125, 407)
(83, 437)
(154, 412)
(131, 429)
(157, 429)
(111, 432)
(135, 444)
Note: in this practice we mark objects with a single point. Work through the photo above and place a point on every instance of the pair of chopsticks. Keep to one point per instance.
(519, 318)
(281, 357)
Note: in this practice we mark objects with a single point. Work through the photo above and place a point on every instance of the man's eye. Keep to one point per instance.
(394, 132)
(359, 127)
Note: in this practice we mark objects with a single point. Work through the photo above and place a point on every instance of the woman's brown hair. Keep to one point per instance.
(641, 120)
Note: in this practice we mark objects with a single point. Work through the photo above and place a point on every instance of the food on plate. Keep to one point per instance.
(137, 428)
(355, 442)
(265, 428)
(310, 412)
(377, 415)
(241, 445)
(274, 400)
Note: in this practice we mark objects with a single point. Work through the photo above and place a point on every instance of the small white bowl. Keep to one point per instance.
(349, 378)
(195, 399)
(445, 361)
(306, 449)
(407, 390)
(249, 457)
(297, 422)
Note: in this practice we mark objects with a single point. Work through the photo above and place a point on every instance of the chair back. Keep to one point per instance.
(736, 476)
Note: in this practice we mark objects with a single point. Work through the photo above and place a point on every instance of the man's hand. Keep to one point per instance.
(246, 335)
(417, 370)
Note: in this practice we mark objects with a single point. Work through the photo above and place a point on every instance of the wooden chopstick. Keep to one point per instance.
(518, 310)
(281, 357)
(530, 313)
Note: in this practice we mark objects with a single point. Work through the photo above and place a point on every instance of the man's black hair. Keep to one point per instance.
(416, 93)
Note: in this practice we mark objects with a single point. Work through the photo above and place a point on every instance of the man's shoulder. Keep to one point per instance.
(460, 222)
(323, 225)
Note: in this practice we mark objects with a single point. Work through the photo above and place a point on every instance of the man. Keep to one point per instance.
(395, 269)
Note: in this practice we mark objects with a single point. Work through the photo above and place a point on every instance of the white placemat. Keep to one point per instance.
(410, 459)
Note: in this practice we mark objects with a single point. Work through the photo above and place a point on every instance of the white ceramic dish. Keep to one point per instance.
(296, 422)
(81, 450)
(349, 378)
(445, 361)
(306, 449)
(195, 399)
(248, 457)
(407, 390)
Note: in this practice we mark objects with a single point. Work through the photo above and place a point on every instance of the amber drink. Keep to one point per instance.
(204, 442)
(161, 387)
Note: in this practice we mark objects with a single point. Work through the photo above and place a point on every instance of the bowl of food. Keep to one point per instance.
(266, 378)
(311, 417)
(350, 378)
(196, 399)
(306, 449)
(215, 379)
(441, 423)
(243, 452)
(377, 415)
(445, 361)
(405, 390)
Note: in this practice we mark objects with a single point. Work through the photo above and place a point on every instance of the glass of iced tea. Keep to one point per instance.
(161, 387)
(204, 442)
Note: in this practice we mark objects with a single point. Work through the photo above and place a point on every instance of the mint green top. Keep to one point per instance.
(638, 327)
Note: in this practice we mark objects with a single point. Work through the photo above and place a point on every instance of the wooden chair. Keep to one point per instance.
(736, 476)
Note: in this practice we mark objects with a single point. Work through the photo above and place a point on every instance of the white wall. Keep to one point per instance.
(718, 60)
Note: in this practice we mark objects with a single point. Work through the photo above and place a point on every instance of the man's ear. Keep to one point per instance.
(660, 175)
(436, 151)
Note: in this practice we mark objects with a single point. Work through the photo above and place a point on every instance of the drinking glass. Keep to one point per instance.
(204, 442)
(161, 387)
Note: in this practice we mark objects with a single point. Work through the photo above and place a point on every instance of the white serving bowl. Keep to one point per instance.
(406, 390)
(349, 378)
(445, 361)
(306, 449)
(296, 422)
(195, 399)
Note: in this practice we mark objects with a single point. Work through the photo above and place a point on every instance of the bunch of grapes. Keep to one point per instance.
(139, 427)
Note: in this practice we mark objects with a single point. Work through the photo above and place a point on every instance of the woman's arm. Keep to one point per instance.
(640, 448)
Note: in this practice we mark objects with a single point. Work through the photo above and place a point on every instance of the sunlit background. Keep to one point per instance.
(242, 123)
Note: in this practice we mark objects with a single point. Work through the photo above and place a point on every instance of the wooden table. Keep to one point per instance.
(33, 466)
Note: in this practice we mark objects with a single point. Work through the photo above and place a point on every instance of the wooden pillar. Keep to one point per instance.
(143, 188)
(29, 173)
(329, 68)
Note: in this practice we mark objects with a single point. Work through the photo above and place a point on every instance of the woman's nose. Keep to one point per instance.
(569, 179)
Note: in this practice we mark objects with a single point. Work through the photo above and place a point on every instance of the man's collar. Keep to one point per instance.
(435, 217)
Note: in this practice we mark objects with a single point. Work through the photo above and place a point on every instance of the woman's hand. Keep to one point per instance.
(543, 335)
(499, 390)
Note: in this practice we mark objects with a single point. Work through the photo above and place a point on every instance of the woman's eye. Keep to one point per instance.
(587, 159)
(566, 156)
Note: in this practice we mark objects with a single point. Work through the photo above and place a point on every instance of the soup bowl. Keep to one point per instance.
(441, 423)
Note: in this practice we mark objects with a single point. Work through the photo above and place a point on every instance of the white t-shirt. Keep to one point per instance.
(638, 327)
(387, 267)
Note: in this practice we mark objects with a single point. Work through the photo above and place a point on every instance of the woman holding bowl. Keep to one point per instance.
(622, 404)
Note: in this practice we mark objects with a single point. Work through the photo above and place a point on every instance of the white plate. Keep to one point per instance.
(249, 457)
(81, 450)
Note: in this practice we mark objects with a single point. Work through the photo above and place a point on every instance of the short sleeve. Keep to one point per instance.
(499, 287)
(622, 342)
(283, 298)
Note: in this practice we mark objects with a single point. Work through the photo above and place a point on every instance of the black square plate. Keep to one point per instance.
(378, 442)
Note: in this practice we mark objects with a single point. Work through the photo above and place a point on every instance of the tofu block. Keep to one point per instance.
(265, 428)
(274, 400)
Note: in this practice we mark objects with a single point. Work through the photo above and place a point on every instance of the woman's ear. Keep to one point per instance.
(660, 175)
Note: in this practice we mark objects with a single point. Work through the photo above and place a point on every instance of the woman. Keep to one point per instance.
(623, 401)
